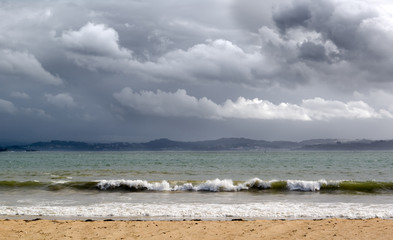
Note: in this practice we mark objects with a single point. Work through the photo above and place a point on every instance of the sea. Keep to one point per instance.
(179, 185)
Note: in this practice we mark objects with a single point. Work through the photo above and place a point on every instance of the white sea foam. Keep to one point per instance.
(134, 184)
(217, 185)
(60, 182)
(268, 210)
(258, 183)
(184, 187)
(300, 185)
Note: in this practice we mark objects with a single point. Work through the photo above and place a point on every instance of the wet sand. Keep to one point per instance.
(258, 229)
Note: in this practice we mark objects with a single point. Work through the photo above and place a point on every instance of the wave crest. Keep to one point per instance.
(216, 185)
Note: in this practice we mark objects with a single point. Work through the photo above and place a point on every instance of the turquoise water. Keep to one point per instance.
(210, 185)
(156, 166)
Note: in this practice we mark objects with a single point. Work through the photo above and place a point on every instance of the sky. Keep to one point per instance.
(133, 70)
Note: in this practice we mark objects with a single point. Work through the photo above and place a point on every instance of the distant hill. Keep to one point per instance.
(222, 144)
(361, 145)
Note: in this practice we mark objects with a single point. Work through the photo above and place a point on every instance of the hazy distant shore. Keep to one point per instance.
(222, 144)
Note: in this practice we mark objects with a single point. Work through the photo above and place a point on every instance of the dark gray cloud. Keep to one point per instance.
(293, 14)
(136, 70)
(347, 30)
(312, 51)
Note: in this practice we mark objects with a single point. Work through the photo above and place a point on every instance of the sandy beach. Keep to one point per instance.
(258, 229)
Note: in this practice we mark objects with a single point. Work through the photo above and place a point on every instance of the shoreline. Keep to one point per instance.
(167, 219)
(374, 228)
(22, 217)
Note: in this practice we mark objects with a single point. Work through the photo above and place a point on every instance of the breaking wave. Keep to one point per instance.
(216, 185)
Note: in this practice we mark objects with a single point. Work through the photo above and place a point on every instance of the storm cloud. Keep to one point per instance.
(138, 70)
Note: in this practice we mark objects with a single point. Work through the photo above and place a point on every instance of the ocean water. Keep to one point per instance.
(196, 185)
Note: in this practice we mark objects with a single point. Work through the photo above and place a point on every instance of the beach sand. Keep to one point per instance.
(258, 229)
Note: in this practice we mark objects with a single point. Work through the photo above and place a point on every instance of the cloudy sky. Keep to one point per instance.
(135, 70)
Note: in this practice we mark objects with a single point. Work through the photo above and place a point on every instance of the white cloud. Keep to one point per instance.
(321, 109)
(261, 109)
(177, 104)
(62, 100)
(96, 40)
(214, 60)
(7, 107)
(217, 59)
(180, 104)
(25, 65)
(376, 97)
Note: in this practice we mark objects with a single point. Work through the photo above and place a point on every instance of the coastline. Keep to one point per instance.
(236, 229)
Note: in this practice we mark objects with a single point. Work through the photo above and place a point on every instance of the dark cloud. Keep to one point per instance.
(133, 70)
(294, 14)
(313, 52)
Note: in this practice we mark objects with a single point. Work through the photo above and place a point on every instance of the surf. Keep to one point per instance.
(215, 185)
